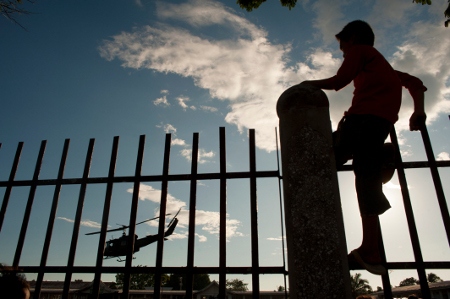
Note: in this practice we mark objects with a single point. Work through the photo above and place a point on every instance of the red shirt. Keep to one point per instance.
(378, 87)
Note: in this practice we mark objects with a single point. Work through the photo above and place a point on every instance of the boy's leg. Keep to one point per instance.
(341, 145)
(369, 135)
(370, 240)
(367, 162)
(388, 167)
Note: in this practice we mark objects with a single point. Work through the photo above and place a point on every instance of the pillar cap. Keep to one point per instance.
(301, 96)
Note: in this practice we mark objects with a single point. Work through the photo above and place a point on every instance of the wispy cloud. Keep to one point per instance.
(204, 156)
(276, 239)
(85, 223)
(168, 128)
(162, 101)
(208, 108)
(182, 102)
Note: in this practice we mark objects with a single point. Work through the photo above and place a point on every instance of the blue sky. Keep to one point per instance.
(90, 70)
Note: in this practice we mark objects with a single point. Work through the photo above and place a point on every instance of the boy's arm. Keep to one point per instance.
(322, 83)
(351, 66)
(417, 91)
(418, 118)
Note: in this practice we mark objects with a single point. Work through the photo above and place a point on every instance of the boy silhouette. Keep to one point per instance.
(365, 126)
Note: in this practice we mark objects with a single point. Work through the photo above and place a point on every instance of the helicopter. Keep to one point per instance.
(115, 248)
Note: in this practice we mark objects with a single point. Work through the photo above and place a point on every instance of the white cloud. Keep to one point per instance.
(179, 142)
(443, 156)
(209, 221)
(162, 101)
(386, 13)
(201, 238)
(257, 67)
(86, 223)
(250, 72)
(168, 128)
(200, 13)
(430, 64)
(203, 155)
(208, 108)
(182, 102)
(329, 17)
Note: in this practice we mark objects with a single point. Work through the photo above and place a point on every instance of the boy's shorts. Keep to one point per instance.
(361, 137)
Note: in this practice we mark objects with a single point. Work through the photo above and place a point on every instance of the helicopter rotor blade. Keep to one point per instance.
(147, 220)
(109, 230)
(151, 219)
(122, 227)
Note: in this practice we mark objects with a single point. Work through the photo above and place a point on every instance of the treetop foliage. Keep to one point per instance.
(431, 277)
(236, 285)
(359, 286)
(249, 5)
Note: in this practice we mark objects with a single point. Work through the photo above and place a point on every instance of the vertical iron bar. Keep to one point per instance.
(387, 290)
(437, 181)
(410, 219)
(192, 210)
(254, 217)
(77, 222)
(106, 208)
(223, 215)
(11, 179)
(133, 215)
(162, 218)
(51, 220)
(26, 217)
(281, 214)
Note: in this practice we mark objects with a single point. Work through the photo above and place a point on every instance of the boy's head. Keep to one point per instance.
(358, 32)
(14, 286)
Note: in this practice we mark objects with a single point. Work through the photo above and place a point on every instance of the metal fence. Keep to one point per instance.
(419, 264)
(193, 177)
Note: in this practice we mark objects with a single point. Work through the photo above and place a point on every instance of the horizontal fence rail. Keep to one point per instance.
(254, 269)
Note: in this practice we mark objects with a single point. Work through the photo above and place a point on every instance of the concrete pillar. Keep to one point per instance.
(317, 251)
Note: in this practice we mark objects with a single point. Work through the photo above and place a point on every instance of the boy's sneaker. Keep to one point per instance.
(388, 168)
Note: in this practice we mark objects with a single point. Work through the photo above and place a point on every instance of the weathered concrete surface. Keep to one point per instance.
(317, 253)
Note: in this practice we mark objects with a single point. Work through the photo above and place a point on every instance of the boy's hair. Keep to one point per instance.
(13, 286)
(359, 31)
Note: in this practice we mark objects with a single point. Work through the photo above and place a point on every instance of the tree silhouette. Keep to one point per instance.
(138, 281)
(11, 8)
(236, 285)
(431, 277)
(408, 282)
(249, 5)
(359, 286)
(200, 282)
